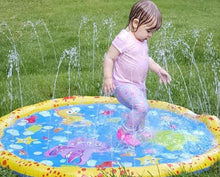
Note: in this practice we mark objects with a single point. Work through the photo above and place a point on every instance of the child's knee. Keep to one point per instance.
(142, 108)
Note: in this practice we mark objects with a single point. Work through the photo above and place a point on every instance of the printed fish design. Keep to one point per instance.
(105, 164)
(129, 154)
(45, 138)
(71, 117)
(107, 112)
(148, 160)
(31, 119)
(114, 120)
(34, 128)
(57, 130)
(22, 152)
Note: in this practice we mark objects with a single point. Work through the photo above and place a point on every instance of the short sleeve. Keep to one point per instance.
(120, 41)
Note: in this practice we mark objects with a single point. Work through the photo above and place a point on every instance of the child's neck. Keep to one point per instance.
(127, 29)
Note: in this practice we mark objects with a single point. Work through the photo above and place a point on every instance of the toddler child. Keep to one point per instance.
(126, 65)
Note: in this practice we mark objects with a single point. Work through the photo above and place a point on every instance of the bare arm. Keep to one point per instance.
(164, 76)
(108, 65)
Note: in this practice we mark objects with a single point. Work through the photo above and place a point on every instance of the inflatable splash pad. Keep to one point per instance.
(76, 136)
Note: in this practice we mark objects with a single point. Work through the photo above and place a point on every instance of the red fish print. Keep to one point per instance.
(22, 152)
(31, 119)
(105, 164)
(57, 130)
(172, 126)
(45, 138)
(107, 112)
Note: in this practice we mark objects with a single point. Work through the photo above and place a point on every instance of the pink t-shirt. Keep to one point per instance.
(131, 65)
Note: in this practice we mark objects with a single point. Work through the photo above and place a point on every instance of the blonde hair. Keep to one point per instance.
(147, 13)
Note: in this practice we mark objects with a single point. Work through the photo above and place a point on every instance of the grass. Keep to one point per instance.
(125, 173)
(41, 32)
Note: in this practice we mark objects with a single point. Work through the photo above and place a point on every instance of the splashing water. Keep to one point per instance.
(192, 86)
(69, 54)
(196, 88)
(82, 22)
(37, 36)
(13, 60)
(95, 31)
(50, 37)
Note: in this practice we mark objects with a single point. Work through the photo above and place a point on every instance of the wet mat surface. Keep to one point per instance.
(85, 135)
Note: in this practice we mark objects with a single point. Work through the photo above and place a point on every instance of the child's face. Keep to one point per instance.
(144, 31)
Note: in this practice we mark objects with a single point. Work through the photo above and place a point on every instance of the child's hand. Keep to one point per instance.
(108, 86)
(164, 77)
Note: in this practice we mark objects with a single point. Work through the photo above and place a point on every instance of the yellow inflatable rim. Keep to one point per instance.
(30, 168)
